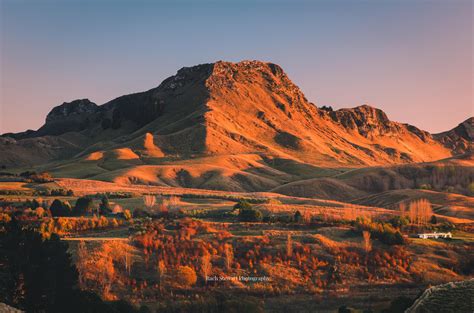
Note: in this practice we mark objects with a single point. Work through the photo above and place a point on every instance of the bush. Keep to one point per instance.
(250, 215)
(140, 213)
(242, 205)
(399, 221)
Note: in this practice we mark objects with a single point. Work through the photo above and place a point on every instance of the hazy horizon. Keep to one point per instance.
(412, 60)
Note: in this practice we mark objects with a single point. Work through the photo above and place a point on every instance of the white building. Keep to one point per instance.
(435, 235)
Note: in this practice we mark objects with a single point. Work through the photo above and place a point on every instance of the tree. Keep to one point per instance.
(289, 246)
(127, 215)
(37, 275)
(58, 208)
(84, 205)
(402, 207)
(117, 209)
(399, 221)
(161, 271)
(298, 217)
(206, 265)
(228, 255)
(250, 215)
(185, 276)
(139, 213)
(420, 211)
(104, 207)
(433, 219)
(40, 212)
(97, 270)
(367, 242)
(149, 201)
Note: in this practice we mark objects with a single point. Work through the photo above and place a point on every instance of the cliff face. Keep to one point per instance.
(69, 117)
(254, 106)
(459, 139)
(230, 108)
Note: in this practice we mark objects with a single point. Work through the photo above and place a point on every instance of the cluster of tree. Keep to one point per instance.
(446, 178)
(220, 301)
(65, 225)
(225, 197)
(297, 218)
(247, 213)
(161, 205)
(36, 203)
(105, 267)
(38, 276)
(55, 192)
(14, 192)
(84, 206)
(113, 195)
(385, 232)
(419, 212)
(33, 176)
(167, 247)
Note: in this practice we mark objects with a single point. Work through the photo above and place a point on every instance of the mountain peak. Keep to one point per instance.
(222, 108)
(79, 106)
(247, 67)
(459, 139)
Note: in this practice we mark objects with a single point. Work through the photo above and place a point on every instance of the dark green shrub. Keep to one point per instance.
(242, 205)
(298, 217)
(250, 215)
(104, 207)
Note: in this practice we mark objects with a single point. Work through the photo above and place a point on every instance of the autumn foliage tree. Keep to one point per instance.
(185, 276)
(420, 212)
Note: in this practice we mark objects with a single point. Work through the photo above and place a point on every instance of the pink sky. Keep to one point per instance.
(413, 59)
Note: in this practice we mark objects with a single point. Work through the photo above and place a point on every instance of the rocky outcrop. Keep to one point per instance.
(459, 139)
(72, 116)
(372, 122)
(69, 109)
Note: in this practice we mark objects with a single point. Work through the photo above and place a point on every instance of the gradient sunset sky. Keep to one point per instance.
(413, 59)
